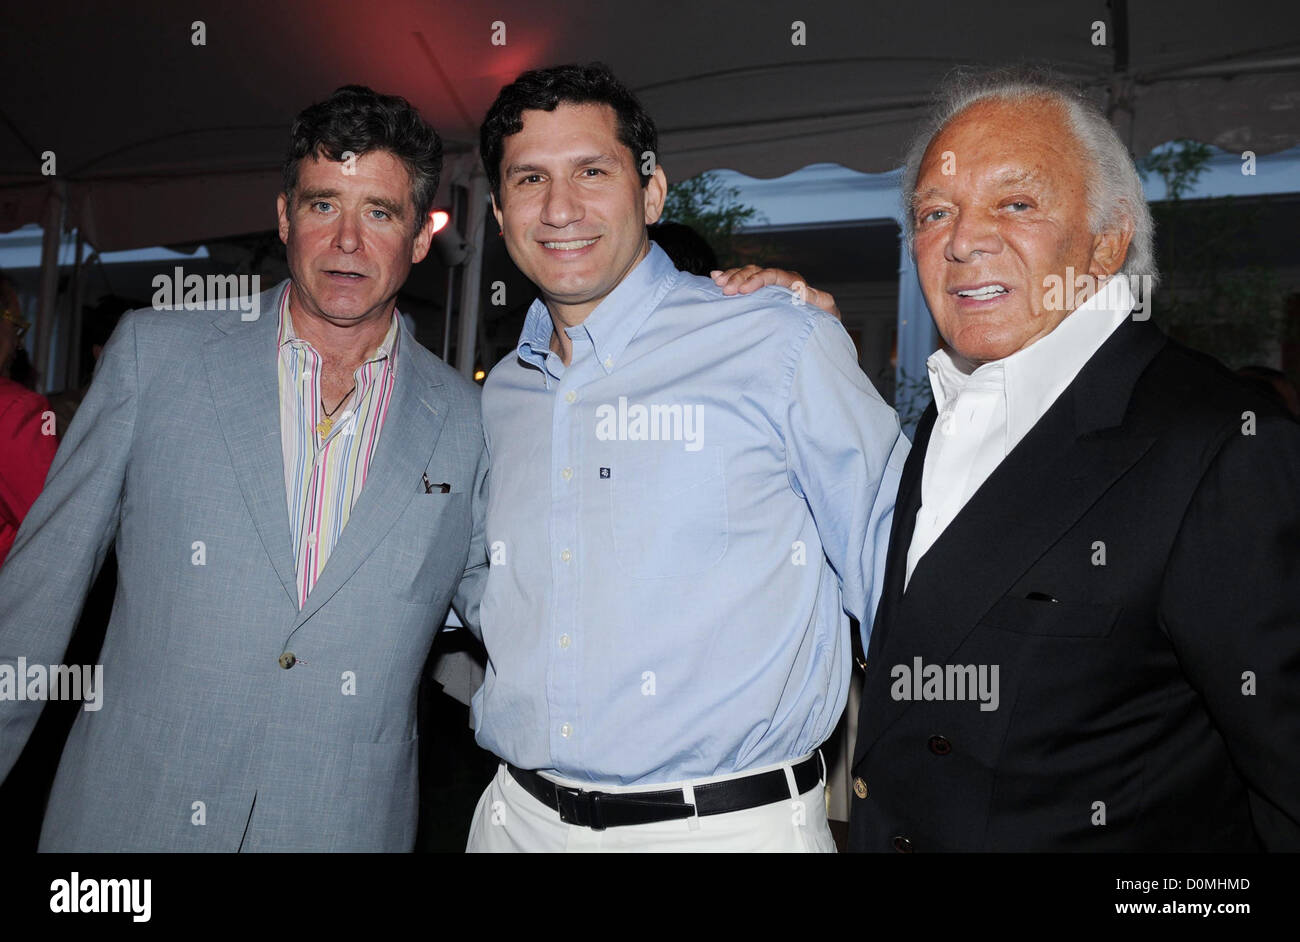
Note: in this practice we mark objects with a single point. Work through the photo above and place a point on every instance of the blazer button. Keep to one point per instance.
(940, 746)
(902, 845)
(859, 787)
(287, 660)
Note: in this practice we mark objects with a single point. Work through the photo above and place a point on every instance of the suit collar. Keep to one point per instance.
(1096, 401)
(1030, 380)
(1060, 469)
(406, 443)
(240, 361)
(1105, 385)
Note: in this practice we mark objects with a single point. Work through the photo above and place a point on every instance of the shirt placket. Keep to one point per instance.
(316, 479)
(566, 560)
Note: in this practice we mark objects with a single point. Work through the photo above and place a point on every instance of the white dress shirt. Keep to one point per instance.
(985, 412)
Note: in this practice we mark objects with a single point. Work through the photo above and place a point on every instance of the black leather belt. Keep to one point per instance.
(600, 810)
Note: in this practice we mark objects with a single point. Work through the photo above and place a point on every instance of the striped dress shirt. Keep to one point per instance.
(324, 475)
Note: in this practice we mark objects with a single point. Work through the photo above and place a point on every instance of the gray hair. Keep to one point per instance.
(1114, 189)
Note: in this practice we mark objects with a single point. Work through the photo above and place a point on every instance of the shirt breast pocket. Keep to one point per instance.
(669, 513)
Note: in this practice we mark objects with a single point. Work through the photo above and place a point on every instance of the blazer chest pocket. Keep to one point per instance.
(1052, 619)
(669, 512)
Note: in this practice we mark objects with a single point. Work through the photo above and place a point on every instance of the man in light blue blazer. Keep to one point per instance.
(293, 489)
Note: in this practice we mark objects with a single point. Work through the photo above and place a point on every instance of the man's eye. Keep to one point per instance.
(933, 215)
(382, 213)
(593, 170)
(319, 203)
(531, 178)
(1018, 203)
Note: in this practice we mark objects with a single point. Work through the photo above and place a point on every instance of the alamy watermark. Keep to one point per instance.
(78, 895)
(1067, 293)
(638, 422)
(84, 682)
(193, 292)
(921, 681)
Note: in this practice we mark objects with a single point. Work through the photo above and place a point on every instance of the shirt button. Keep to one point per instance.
(902, 844)
(287, 660)
(570, 396)
(940, 745)
(859, 787)
(564, 641)
(567, 473)
(565, 556)
(566, 730)
(609, 363)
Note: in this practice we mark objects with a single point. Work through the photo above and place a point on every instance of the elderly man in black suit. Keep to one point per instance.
(1089, 637)
(1089, 634)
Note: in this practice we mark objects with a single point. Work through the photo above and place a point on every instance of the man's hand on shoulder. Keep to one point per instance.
(750, 278)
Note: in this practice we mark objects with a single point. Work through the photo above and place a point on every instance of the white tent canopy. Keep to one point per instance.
(157, 139)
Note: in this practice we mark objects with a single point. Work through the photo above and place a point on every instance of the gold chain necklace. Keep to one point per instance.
(324, 425)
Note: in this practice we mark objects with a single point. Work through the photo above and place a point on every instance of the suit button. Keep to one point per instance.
(287, 660)
(859, 787)
(940, 746)
(902, 845)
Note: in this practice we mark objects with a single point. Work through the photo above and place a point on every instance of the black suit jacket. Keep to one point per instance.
(1155, 705)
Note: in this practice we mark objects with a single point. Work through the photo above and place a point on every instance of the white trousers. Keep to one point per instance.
(508, 819)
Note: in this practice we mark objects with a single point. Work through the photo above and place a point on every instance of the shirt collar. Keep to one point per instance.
(1033, 378)
(387, 348)
(614, 322)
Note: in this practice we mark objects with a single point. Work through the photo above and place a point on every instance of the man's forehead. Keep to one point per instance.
(378, 164)
(1004, 174)
(384, 181)
(568, 129)
(995, 130)
(995, 143)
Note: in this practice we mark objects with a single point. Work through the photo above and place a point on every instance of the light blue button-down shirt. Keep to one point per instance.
(677, 523)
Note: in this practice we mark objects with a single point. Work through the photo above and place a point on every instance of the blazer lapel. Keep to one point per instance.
(907, 503)
(243, 373)
(1043, 487)
(406, 442)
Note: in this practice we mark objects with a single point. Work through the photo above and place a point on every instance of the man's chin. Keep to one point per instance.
(569, 292)
(976, 349)
(344, 306)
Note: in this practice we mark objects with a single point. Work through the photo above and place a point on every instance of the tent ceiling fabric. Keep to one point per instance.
(159, 140)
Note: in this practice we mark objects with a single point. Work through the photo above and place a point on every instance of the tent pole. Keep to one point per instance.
(72, 362)
(446, 312)
(467, 328)
(52, 228)
(917, 339)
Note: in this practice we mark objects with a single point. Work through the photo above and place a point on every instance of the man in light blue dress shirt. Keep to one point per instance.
(688, 495)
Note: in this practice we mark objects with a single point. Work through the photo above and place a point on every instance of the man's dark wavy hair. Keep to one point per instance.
(358, 119)
(543, 90)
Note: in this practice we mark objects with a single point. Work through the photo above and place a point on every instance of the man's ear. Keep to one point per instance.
(656, 191)
(1110, 248)
(282, 211)
(423, 239)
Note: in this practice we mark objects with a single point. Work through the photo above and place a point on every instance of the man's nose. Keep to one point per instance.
(347, 233)
(562, 206)
(971, 233)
